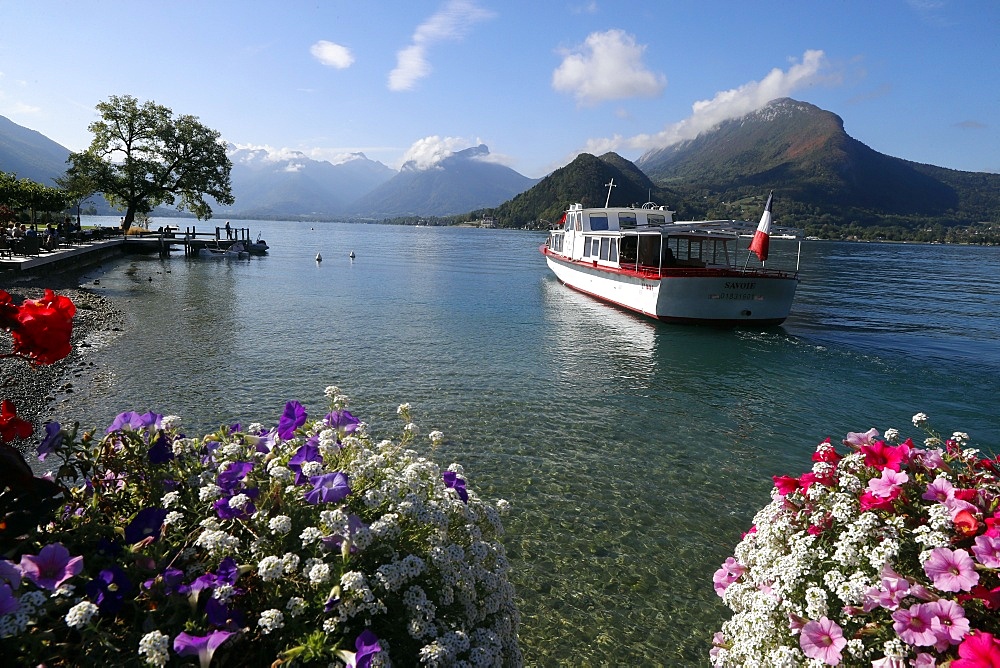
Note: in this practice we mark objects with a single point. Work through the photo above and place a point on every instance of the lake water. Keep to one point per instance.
(634, 453)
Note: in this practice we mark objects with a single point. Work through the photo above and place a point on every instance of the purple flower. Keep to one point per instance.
(10, 573)
(940, 490)
(951, 570)
(293, 418)
(916, 626)
(308, 452)
(221, 615)
(884, 486)
(131, 421)
(201, 646)
(110, 589)
(334, 542)
(225, 511)
(51, 566)
(148, 522)
(452, 480)
(228, 572)
(8, 602)
(173, 582)
(231, 479)
(822, 640)
(367, 647)
(51, 442)
(342, 421)
(160, 452)
(328, 488)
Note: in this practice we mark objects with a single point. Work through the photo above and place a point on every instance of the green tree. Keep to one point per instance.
(143, 156)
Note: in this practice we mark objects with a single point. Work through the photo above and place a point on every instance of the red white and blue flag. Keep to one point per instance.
(762, 237)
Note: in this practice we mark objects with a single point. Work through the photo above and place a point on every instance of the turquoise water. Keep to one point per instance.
(634, 453)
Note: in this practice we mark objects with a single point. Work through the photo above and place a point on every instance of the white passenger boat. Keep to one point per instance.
(677, 271)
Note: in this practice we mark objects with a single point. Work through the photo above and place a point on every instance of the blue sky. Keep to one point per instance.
(537, 81)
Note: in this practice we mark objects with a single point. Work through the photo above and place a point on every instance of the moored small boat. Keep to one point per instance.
(235, 252)
(641, 259)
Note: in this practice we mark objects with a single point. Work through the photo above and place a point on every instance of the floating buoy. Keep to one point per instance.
(352, 255)
(319, 258)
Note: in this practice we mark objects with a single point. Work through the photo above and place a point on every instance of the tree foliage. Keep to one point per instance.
(143, 156)
(27, 195)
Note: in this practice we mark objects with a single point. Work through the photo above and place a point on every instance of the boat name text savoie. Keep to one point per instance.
(746, 285)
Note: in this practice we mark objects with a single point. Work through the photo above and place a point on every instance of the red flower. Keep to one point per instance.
(786, 484)
(11, 426)
(871, 502)
(966, 523)
(42, 328)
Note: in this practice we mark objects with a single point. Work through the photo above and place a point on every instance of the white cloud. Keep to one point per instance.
(332, 55)
(427, 152)
(607, 66)
(451, 22)
(733, 103)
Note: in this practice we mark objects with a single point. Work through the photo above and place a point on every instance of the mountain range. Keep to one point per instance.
(820, 175)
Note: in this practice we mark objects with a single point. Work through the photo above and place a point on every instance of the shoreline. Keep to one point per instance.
(34, 390)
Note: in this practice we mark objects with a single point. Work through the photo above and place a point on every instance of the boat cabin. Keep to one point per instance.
(644, 240)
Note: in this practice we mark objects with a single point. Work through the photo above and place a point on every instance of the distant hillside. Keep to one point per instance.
(30, 154)
(463, 181)
(582, 181)
(819, 173)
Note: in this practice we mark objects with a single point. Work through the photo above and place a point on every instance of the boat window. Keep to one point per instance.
(605, 245)
(586, 246)
(568, 222)
(577, 221)
(613, 253)
(626, 219)
(655, 219)
(628, 249)
(598, 221)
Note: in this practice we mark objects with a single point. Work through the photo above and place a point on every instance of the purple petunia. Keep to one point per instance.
(308, 452)
(201, 646)
(452, 481)
(110, 589)
(292, 418)
(231, 480)
(132, 421)
(8, 602)
(53, 439)
(367, 647)
(160, 451)
(328, 488)
(148, 522)
(342, 421)
(51, 566)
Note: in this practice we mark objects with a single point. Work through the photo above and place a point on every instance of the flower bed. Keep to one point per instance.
(885, 556)
(303, 543)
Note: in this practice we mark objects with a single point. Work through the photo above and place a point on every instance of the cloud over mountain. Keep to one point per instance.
(607, 66)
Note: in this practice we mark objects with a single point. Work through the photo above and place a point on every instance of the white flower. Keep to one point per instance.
(209, 492)
(410, 428)
(296, 606)
(436, 437)
(173, 518)
(238, 500)
(80, 614)
(156, 646)
(920, 419)
(319, 574)
(270, 568)
(280, 524)
(280, 473)
(403, 408)
(891, 435)
(171, 422)
(171, 499)
(310, 535)
(270, 620)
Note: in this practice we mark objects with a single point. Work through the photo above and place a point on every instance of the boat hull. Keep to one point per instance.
(717, 296)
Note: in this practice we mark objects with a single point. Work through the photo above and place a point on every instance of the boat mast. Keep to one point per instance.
(610, 186)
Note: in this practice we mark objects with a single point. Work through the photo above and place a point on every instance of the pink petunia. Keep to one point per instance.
(858, 439)
(729, 573)
(987, 551)
(940, 490)
(822, 640)
(888, 484)
(951, 570)
(916, 626)
(51, 566)
(890, 594)
(785, 484)
(953, 625)
(882, 456)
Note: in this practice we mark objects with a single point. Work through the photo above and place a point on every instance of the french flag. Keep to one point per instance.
(762, 237)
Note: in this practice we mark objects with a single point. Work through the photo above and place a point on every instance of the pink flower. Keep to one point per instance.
(930, 459)
(888, 484)
(729, 573)
(882, 456)
(940, 490)
(785, 484)
(857, 439)
(978, 650)
(822, 640)
(953, 625)
(869, 501)
(51, 566)
(987, 551)
(916, 626)
(924, 660)
(892, 592)
(951, 570)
